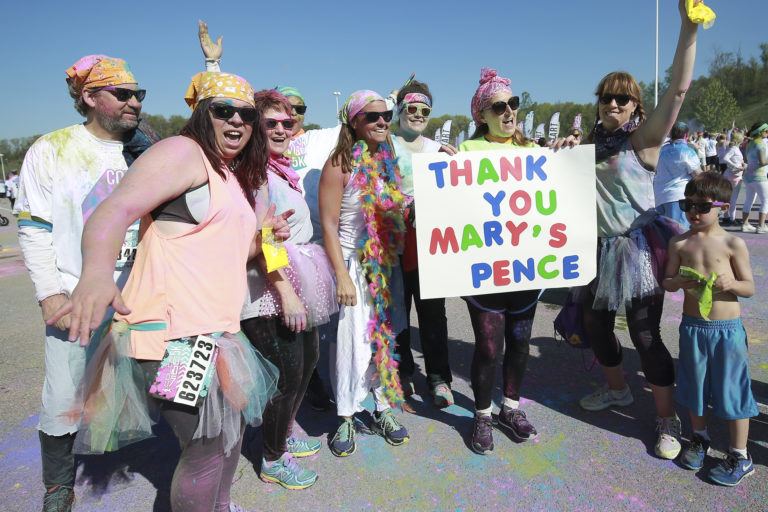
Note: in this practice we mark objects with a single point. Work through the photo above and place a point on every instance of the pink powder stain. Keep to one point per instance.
(12, 268)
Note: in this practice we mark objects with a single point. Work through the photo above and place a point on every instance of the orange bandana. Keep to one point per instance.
(212, 84)
(94, 71)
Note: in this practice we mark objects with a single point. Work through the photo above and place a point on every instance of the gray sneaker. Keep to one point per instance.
(59, 499)
(604, 398)
(668, 442)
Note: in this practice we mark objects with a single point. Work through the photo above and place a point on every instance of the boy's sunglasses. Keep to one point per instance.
(687, 205)
(122, 94)
(372, 117)
(422, 111)
(621, 99)
(271, 124)
(299, 109)
(500, 107)
(226, 112)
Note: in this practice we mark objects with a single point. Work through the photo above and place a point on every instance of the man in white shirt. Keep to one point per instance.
(65, 175)
(678, 163)
(710, 152)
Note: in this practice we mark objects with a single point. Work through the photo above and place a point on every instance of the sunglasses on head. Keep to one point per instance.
(372, 117)
(500, 107)
(621, 99)
(422, 111)
(227, 112)
(687, 205)
(271, 124)
(122, 94)
(299, 109)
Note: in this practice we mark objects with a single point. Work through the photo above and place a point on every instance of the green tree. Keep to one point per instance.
(714, 106)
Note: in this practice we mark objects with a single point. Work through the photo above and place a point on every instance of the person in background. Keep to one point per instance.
(735, 166)
(678, 163)
(756, 179)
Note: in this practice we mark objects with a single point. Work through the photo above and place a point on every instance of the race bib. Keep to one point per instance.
(128, 251)
(185, 373)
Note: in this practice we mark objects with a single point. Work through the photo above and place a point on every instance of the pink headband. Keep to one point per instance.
(490, 84)
(356, 102)
(415, 97)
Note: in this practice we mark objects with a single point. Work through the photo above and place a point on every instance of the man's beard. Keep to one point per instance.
(116, 124)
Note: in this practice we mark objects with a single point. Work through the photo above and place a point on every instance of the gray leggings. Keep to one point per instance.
(203, 477)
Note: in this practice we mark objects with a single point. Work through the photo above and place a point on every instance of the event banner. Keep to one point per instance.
(505, 220)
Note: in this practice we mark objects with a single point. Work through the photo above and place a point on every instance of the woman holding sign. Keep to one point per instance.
(361, 208)
(633, 238)
(501, 321)
(177, 333)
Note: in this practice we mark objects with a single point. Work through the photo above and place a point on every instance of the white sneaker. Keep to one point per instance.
(762, 229)
(748, 228)
(604, 398)
(668, 444)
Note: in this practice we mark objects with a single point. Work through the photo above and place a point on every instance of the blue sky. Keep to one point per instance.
(556, 50)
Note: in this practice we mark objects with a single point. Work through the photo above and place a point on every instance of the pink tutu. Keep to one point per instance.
(312, 278)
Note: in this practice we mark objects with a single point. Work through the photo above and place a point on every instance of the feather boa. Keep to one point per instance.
(378, 180)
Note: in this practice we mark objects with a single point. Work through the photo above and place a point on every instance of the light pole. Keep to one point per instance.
(2, 164)
(337, 94)
(656, 84)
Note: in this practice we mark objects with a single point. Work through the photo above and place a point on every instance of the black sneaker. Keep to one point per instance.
(342, 444)
(482, 435)
(59, 499)
(386, 425)
(515, 421)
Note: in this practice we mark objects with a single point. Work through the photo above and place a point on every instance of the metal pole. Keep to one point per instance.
(2, 163)
(656, 85)
(336, 94)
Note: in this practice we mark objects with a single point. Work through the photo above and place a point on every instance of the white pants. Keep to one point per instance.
(734, 198)
(759, 189)
(64, 367)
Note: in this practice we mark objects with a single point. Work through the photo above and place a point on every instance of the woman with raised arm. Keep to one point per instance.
(177, 333)
(633, 237)
(361, 208)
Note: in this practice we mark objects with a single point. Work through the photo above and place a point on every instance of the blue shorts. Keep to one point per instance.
(713, 369)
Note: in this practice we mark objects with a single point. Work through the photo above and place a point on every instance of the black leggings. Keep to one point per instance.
(643, 320)
(507, 328)
(203, 477)
(295, 355)
(433, 333)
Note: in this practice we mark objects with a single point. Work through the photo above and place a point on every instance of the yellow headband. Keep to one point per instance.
(94, 71)
(211, 84)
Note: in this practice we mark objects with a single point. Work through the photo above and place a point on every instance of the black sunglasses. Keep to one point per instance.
(621, 99)
(499, 107)
(299, 109)
(271, 124)
(123, 94)
(372, 117)
(687, 205)
(226, 112)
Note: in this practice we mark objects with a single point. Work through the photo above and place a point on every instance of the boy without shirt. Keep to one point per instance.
(713, 369)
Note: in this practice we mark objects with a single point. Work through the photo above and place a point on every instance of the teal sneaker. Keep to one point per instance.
(59, 498)
(342, 444)
(303, 447)
(731, 470)
(386, 425)
(287, 472)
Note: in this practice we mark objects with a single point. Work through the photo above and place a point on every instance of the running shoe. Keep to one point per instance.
(303, 447)
(342, 444)
(287, 472)
(442, 396)
(761, 230)
(668, 443)
(482, 434)
(386, 425)
(604, 398)
(59, 499)
(748, 228)
(694, 454)
(732, 470)
(517, 423)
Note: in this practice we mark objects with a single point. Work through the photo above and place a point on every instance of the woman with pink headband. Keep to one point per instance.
(499, 320)
(414, 106)
(361, 209)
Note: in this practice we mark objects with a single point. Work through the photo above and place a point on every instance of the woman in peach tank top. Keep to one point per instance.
(185, 292)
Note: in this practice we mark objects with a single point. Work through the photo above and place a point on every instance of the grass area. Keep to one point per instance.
(753, 112)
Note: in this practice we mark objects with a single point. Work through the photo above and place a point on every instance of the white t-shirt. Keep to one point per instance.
(710, 147)
(677, 164)
(66, 174)
(308, 153)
